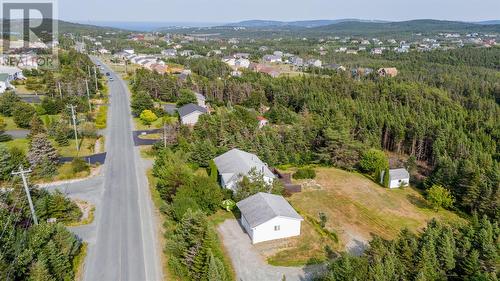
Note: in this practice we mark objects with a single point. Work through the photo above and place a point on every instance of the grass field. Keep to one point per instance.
(140, 126)
(356, 208)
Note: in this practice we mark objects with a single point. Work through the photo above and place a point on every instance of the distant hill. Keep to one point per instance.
(489, 22)
(304, 24)
(414, 26)
(67, 27)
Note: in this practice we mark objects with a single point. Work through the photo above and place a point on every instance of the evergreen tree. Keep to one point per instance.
(3, 135)
(36, 127)
(6, 165)
(386, 178)
(42, 153)
(40, 272)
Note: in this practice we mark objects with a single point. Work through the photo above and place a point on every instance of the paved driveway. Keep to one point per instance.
(247, 262)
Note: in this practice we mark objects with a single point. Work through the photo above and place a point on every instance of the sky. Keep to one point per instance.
(224, 11)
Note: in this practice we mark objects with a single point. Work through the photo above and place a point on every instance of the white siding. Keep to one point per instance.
(191, 119)
(288, 227)
(397, 183)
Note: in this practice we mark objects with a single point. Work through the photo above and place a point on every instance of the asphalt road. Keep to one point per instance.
(125, 244)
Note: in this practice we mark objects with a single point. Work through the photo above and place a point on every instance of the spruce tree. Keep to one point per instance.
(42, 152)
(40, 272)
(3, 135)
(386, 178)
(36, 127)
(6, 166)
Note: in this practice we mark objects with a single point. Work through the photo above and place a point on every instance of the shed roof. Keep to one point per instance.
(262, 207)
(399, 174)
(190, 108)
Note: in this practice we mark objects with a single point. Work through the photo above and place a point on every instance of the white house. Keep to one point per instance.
(4, 82)
(235, 164)
(129, 51)
(190, 113)
(262, 121)
(397, 178)
(268, 217)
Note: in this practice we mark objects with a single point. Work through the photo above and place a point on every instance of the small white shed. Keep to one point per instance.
(190, 113)
(397, 178)
(268, 217)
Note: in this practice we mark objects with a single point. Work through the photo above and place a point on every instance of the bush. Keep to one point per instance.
(79, 165)
(372, 161)
(148, 117)
(304, 173)
(23, 113)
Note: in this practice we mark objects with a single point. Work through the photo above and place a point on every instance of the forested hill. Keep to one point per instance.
(414, 26)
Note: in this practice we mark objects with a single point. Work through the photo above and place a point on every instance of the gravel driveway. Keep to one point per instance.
(247, 262)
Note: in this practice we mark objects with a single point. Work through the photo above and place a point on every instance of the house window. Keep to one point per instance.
(276, 228)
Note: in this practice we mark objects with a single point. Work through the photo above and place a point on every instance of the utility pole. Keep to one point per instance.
(95, 78)
(26, 189)
(73, 116)
(164, 133)
(88, 94)
(60, 92)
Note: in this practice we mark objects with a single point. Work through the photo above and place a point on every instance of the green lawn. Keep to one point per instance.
(70, 150)
(20, 143)
(140, 126)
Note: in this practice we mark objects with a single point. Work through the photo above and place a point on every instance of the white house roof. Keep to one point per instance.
(238, 162)
(11, 70)
(398, 174)
(190, 108)
(262, 207)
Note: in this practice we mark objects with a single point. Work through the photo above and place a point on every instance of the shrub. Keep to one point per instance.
(148, 117)
(79, 165)
(304, 173)
(372, 161)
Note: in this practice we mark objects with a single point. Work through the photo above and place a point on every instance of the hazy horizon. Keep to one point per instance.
(225, 11)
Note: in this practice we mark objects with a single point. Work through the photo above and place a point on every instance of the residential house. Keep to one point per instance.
(397, 178)
(129, 51)
(233, 165)
(262, 121)
(377, 51)
(172, 53)
(296, 61)
(268, 217)
(4, 82)
(314, 63)
(186, 53)
(13, 73)
(271, 58)
(388, 72)
(190, 113)
(242, 63)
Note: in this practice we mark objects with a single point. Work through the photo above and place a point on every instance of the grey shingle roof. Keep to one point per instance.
(190, 108)
(262, 207)
(238, 162)
(398, 174)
